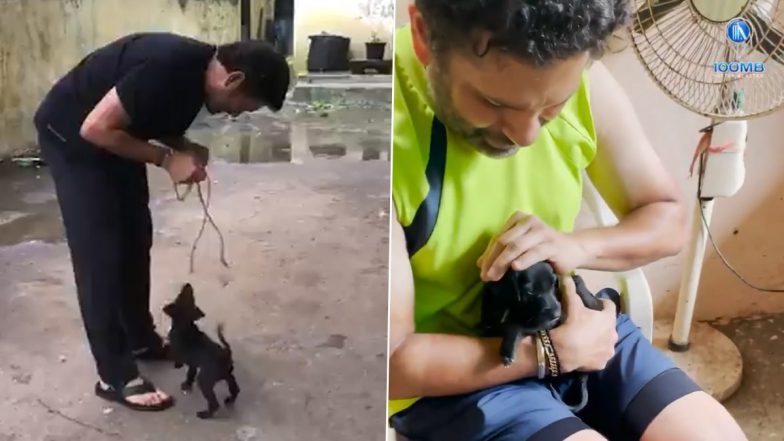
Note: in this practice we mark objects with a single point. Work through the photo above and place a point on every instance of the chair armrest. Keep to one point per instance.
(636, 298)
(394, 436)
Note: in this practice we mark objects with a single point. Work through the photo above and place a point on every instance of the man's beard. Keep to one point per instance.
(439, 83)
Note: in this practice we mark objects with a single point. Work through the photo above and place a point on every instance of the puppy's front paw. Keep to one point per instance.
(177, 365)
(204, 414)
(186, 387)
(507, 361)
(230, 400)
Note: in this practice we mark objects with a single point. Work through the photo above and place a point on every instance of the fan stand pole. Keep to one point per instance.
(690, 279)
(709, 357)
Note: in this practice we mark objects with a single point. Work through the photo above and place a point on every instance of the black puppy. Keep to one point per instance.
(192, 347)
(524, 302)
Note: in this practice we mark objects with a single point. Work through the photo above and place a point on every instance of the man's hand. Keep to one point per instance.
(526, 240)
(586, 339)
(199, 151)
(184, 168)
(185, 145)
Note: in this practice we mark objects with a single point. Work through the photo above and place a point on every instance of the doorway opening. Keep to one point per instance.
(269, 20)
(283, 26)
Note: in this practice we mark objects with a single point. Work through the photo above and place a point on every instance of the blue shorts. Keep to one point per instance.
(623, 399)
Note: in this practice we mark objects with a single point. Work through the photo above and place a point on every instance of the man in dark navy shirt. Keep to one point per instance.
(95, 130)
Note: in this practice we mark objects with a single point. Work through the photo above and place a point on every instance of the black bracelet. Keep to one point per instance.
(163, 154)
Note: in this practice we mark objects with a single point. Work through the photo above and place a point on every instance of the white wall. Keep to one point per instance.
(354, 19)
(756, 211)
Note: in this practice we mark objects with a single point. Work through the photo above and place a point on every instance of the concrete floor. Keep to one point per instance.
(304, 301)
(759, 403)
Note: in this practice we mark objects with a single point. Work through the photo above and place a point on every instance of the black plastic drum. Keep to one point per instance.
(328, 53)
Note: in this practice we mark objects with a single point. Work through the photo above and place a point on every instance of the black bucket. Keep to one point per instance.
(328, 53)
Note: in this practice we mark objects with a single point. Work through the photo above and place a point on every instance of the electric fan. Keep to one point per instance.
(721, 59)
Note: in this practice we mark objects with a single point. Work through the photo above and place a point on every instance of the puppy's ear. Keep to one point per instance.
(194, 314)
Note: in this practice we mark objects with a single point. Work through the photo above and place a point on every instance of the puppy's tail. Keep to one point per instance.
(223, 340)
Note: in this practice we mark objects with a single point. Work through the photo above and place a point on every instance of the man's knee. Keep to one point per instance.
(586, 435)
(694, 417)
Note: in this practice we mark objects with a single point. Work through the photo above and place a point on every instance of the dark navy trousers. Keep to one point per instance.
(104, 201)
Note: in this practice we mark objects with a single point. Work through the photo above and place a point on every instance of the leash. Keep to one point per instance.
(207, 218)
(575, 408)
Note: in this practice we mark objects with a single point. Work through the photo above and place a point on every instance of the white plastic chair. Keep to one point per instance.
(636, 299)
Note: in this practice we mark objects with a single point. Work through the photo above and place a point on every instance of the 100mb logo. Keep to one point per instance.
(739, 67)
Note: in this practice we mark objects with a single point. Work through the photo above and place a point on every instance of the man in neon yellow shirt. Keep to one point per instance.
(498, 111)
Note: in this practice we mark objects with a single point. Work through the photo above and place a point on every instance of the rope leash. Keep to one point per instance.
(207, 218)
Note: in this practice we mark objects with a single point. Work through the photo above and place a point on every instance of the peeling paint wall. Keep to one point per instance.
(355, 19)
(42, 39)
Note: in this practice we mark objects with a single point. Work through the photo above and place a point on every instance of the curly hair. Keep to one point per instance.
(538, 31)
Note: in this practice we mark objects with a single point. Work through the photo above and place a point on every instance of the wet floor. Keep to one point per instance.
(345, 130)
(28, 205)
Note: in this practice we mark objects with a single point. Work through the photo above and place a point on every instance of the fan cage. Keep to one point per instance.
(693, 61)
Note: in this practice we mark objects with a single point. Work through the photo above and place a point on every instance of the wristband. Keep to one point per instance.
(163, 155)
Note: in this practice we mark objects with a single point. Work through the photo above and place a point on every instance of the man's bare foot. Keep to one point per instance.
(155, 398)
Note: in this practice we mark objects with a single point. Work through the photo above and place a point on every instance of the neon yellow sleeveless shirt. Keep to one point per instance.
(451, 199)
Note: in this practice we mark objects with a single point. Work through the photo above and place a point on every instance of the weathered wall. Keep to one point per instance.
(42, 39)
(354, 19)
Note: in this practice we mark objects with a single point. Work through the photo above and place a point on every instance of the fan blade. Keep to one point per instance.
(654, 11)
(765, 38)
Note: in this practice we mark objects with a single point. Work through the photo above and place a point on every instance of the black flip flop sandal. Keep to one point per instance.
(121, 396)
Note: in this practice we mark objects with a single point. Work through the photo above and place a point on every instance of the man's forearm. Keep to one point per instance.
(123, 144)
(441, 364)
(645, 235)
(183, 144)
(177, 143)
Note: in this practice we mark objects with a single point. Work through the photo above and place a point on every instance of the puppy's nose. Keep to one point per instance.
(553, 311)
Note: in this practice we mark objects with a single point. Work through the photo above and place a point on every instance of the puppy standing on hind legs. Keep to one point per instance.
(208, 362)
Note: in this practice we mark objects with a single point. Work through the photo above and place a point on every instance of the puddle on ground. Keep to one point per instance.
(298, 136)
(28, 206)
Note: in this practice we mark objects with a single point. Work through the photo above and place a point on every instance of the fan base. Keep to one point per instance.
(712, 360)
